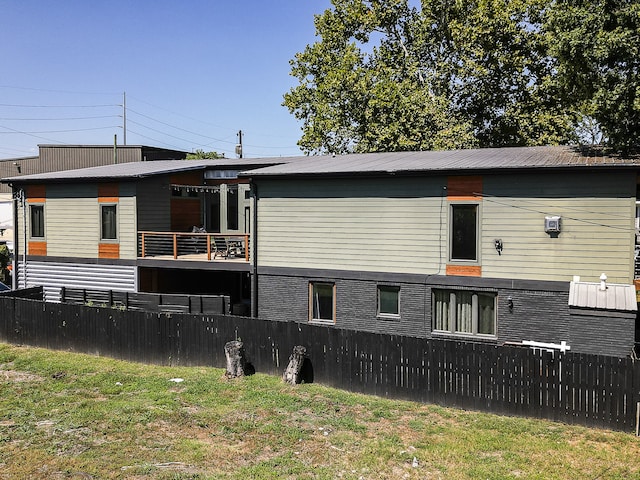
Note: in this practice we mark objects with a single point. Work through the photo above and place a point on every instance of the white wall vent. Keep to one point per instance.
(552, 224)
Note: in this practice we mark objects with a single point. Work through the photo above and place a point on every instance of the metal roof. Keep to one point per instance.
(614, 297)
(497, 159)
(449, 160)
(132, 170)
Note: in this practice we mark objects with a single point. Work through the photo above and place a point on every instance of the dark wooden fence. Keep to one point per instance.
(148, 302)
(573, 388)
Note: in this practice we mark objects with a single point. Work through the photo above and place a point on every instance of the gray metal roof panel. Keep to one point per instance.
(449, 160)
(133, 170)
(614, 297)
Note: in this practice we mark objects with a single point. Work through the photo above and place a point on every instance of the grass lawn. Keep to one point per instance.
(66, 415)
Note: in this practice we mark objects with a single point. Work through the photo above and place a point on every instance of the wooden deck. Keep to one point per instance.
(209, 247)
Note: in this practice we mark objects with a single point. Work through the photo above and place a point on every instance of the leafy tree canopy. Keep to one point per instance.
(201, 155)
(386, 76)
(596, 45)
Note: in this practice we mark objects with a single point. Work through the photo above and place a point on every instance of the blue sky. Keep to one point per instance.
(195, 72)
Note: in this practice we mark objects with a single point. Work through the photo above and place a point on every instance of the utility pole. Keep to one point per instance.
(239, 145)
(124, 116)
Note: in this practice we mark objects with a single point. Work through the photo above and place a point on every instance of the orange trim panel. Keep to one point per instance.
(464, 187)
(108, 190)
(108, 250)
(37, 248)
(465, 270)
(36, 193)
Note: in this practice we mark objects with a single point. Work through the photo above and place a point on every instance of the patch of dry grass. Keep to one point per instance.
(65, 415)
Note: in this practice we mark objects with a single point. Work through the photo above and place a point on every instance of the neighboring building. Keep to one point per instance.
(470, 245)
(129, 227)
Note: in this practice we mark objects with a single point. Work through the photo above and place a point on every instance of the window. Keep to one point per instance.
(322, 302)
(464, 232)
(388, 301)
(464, 312)
(232, 207)
(37, 221)
(108, 224)
(214, 211)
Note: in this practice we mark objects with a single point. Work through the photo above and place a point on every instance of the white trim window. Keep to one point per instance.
(108, 221)
(464, 312)
(36, 219)
(463, 245)
(322, 302)
(388, 301)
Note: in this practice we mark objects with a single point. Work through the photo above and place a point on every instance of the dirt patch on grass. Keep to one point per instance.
(10, 375)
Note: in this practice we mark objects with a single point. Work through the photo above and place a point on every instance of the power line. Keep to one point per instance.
(573, 209)
(163, 133)
(30, 134)
(62, 131)
(181, 115)
(156, 140)
(546, 212)
(57, 106)
(58, 119)
(178, 128)
(56, 91)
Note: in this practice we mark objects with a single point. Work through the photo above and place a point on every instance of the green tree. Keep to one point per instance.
(202, 155)
(5, 259)
(361, 88)
(452, 74)
(596, 46)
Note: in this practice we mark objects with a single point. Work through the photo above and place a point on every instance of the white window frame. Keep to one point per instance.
(454, 323)
(387, 315)
(102, 237)
(314, 302)
(31, 223)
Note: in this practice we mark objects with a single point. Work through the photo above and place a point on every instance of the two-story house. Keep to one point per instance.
(492, 245)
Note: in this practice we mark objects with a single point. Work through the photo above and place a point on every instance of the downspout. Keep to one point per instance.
(254, 244)
(18, 198)
(23, 202)
(16, 245)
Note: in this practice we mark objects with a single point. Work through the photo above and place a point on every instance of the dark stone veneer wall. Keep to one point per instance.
(540, 309)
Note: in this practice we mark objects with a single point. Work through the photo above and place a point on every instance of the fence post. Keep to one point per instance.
(62, 294)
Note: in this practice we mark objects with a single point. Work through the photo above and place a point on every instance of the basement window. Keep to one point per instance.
(388, 301)
(464, 312)
(322, 302)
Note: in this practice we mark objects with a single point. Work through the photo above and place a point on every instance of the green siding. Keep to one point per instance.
(597, 226)
(72, 223)
(354, 228)
(401, 225)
